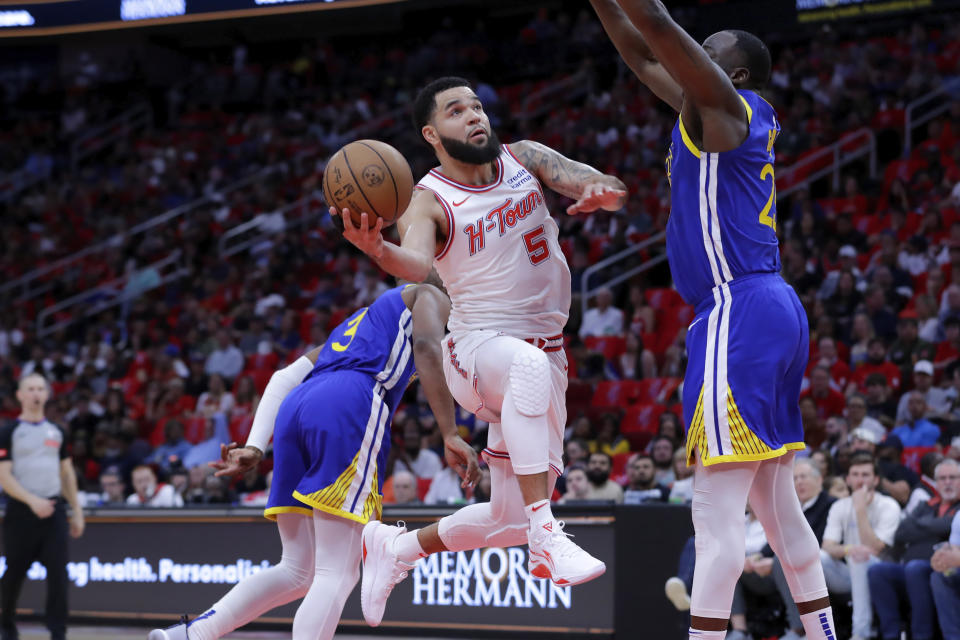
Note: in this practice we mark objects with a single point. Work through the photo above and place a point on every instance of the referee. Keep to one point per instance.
(37, 475)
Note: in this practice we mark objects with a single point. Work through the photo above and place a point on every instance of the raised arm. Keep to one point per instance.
(634, 50)
(591, 189)
(430, 309)
(418, 227)
(712, 108)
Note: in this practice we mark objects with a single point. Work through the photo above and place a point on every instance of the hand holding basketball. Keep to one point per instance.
(368, 176)
(362, 236)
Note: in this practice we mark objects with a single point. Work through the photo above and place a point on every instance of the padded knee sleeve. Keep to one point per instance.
(530, 382)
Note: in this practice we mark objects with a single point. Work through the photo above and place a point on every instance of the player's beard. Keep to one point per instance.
(471, 153)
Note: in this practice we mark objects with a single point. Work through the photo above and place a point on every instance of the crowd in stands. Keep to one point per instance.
(148, 390)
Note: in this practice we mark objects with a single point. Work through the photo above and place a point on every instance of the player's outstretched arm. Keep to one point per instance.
(234, 459)
(591, 189)
(708, 93)
(634, 50)
(430, 309)
(413, 259)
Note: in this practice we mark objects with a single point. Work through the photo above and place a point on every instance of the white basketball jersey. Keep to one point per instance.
(502, 264)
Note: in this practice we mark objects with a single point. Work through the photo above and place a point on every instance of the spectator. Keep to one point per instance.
(603, 319)
(939, 401)
(208, 450)
(608, 438)
(861, 333)
(928, 323)
(147, 493)
(909, 578)
(661, 449)
(578, 486)
(444, 488)
(881, 406)
(949, 349)
(827, 357)
(881, 316)
(405, 488)
(577, 452)
(926, 489)
(896, 480)
(216, 399)
(641, 482)
(945, 583)
(908, 348)
(415, 456)
(113, 487)
(830, 402)
(598, 473)
(682, 490)
(876, 363)
(226, 359)
(859, 529)
(174, 448)
(917, 431)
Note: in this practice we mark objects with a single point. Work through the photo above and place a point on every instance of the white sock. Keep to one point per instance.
(408, 548)
(539, 514)
(697, 634)
(819, 624)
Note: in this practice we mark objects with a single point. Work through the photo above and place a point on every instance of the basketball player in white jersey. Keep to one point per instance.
(481, 220)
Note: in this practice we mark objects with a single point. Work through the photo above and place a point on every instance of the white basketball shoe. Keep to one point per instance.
(553, 555)
(382, 570)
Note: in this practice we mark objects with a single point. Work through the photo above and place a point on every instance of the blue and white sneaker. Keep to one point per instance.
(176, 632)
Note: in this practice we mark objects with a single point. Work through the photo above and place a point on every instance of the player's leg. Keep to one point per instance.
(529, 386)
(255, 595)
(719, 502)
(336, 571)
(390, 552)
(773, 499)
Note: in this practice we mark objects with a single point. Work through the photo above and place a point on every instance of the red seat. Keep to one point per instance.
(579, 392)
(260, 378)
(640, 424)
(620, 464)
(657, 390)
(664, 298)
(240, 428)
(195, 429)
(616, 393)
(612, 347)
(911, 456)
(423, 485)
(265, 362)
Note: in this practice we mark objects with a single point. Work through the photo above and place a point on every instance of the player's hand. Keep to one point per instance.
(367, 238)
(42, 507)
(859, 553)
(598, 196)
(235, 460)
(463, 459)
(77, 524)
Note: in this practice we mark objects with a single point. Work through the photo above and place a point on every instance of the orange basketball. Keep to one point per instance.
(369, 176)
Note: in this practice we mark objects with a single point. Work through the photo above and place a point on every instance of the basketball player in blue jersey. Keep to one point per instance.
(333, 409)
(747, 345)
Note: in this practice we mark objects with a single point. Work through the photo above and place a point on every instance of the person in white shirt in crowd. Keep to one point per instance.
(445, 488)
(414, 456)
(928, 324)
(226, 359)
(938, 400)
(216, 399)
(858, 530)
(598, 473)
(857, 418)
(846, 262)
(603, 319)
(148, 493)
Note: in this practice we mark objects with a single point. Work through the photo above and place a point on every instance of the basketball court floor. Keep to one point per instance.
(38, 632)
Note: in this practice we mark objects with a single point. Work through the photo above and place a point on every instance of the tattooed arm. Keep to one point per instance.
(591, 189)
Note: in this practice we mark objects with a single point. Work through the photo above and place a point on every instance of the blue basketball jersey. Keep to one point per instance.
(375, 341)
(723, 216)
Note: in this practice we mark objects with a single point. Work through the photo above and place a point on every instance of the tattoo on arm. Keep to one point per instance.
(563, 175)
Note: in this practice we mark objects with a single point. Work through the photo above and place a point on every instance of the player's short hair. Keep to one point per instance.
(33, 374)
(756, 58)
(425, 104)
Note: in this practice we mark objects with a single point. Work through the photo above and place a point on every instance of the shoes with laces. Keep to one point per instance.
(176, 632)
(382, 570)
(553, 555)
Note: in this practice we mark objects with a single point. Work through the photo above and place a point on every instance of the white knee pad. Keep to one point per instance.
(530, 382)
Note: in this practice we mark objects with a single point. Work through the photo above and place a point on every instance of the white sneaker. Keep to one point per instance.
(677, 593)
(553, 555)
(176, 632)
(382, 570)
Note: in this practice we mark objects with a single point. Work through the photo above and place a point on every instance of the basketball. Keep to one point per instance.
(368, 176)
